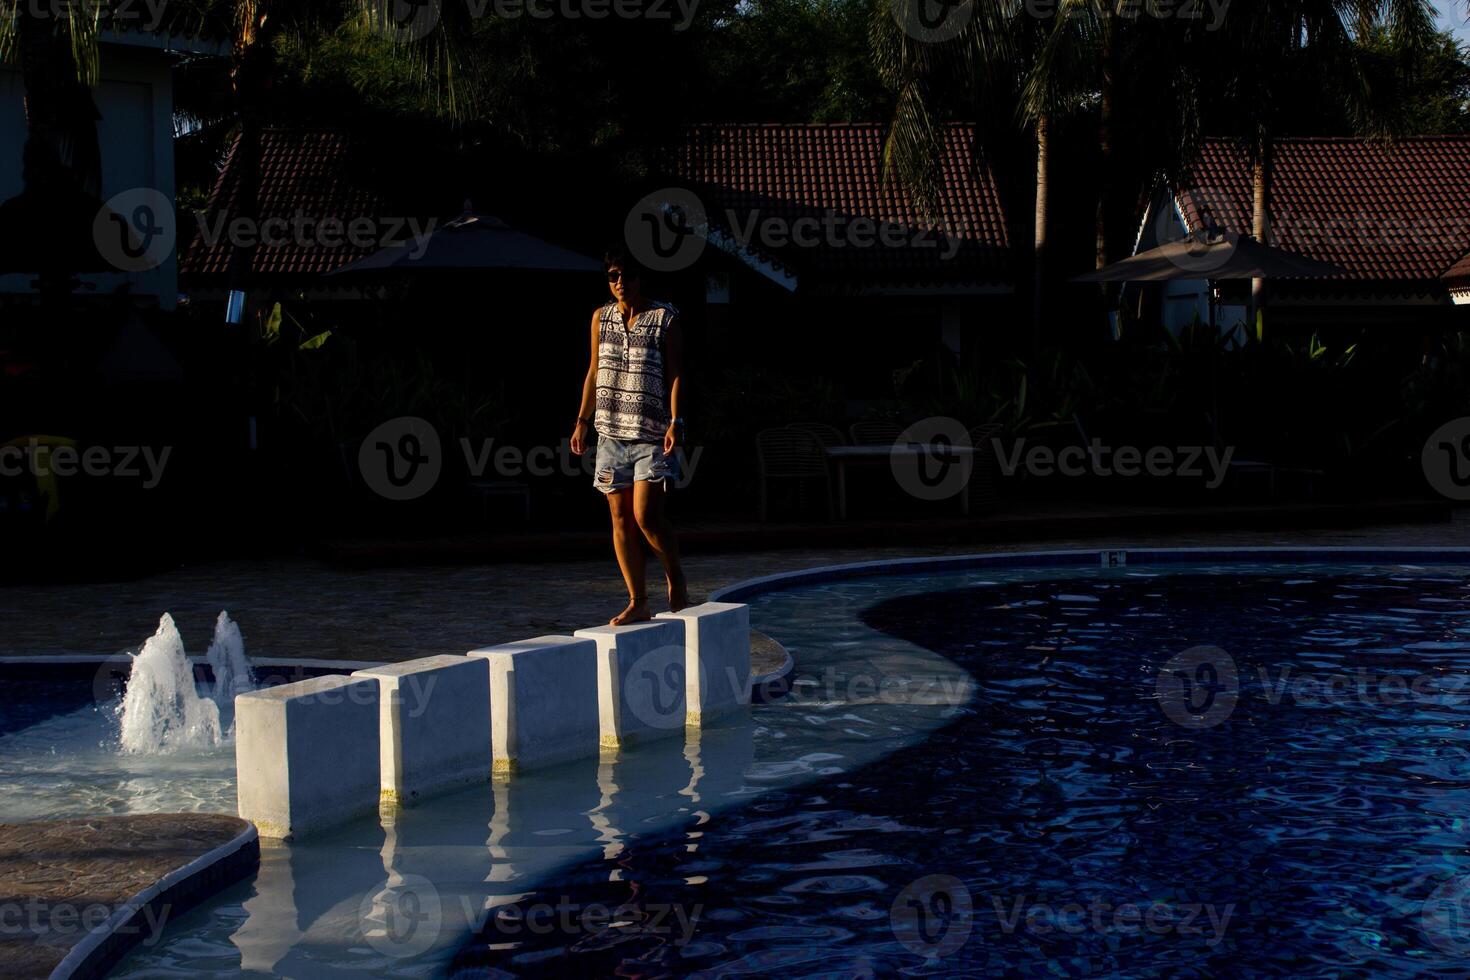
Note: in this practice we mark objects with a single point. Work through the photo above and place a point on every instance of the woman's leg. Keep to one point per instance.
(632, 559)
(648, 511)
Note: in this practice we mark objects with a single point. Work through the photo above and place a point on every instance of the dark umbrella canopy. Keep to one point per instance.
(1217, 256)
(473, 241)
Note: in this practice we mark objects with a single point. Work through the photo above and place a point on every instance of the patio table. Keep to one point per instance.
(844, 456)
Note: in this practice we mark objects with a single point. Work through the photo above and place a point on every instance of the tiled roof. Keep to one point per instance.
(1458, 275)
(305, 179)
(832, 173)
(1382, 210)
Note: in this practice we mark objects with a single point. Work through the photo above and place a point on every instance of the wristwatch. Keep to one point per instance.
(679, 422)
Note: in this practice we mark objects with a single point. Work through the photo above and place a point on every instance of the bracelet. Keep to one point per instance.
(582, 421)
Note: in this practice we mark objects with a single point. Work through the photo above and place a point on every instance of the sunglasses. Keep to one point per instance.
(614, 275)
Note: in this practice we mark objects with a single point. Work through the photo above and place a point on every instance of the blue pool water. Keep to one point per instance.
(1248, 771)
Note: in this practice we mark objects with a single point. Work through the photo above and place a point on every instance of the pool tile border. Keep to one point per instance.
(182, 888)
(1090, 557)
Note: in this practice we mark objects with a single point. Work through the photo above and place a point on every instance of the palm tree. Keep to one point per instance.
(1137, 73)
(1268, 48)
(59, 55)
(1050, 69)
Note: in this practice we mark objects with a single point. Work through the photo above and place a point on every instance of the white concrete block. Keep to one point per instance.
(306, 754)
(543, 701)
(717, 657)
(640, 681)
(434, 725)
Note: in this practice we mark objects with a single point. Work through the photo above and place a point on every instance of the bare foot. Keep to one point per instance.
(637, 612)
(678, 596)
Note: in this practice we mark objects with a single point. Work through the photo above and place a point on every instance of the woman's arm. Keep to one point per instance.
(674, 369)
(589, 398)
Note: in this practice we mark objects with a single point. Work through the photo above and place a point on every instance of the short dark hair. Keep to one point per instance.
(623, 259)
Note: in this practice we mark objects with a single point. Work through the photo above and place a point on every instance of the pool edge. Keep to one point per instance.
(1069, 558)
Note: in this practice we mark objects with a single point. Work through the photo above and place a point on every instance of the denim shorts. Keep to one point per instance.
(621, 464)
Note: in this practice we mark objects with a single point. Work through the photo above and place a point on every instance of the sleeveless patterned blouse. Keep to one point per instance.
(632, 398)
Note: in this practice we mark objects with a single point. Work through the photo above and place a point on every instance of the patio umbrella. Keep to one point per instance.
(1217, 255)
(1213, 255)
(473, 241)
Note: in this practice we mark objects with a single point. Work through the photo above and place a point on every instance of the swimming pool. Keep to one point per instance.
(1191, 770)
(1182, 765)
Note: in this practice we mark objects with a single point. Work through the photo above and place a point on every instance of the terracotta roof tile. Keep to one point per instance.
(303, 178)
(1383, 210)
(833, 173)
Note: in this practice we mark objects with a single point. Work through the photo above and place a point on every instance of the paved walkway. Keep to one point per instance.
(306, 608)
(59, 879)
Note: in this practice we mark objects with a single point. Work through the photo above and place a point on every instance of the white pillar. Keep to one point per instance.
(306, 754)
(434, 725)
(717, 657)
(640, 681)
(543, 701)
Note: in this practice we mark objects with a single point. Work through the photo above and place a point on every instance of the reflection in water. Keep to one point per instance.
(306, 898)
(402, 896)
(466, 864)
(1305, 817)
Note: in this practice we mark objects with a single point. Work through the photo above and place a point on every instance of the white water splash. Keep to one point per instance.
(230, 666)
(162, 710)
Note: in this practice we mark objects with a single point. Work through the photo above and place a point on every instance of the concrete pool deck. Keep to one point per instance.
(304, 608)
(77, 894)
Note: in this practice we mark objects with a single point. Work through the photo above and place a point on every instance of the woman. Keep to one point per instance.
(631, 396)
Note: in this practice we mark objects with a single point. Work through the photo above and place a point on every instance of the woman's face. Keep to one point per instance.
(622, 287)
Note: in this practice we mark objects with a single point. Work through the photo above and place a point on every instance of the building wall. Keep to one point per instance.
(135, 99)
(1183, 299)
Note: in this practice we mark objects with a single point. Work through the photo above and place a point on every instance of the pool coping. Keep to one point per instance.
(1095, 557)
(182, 888)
